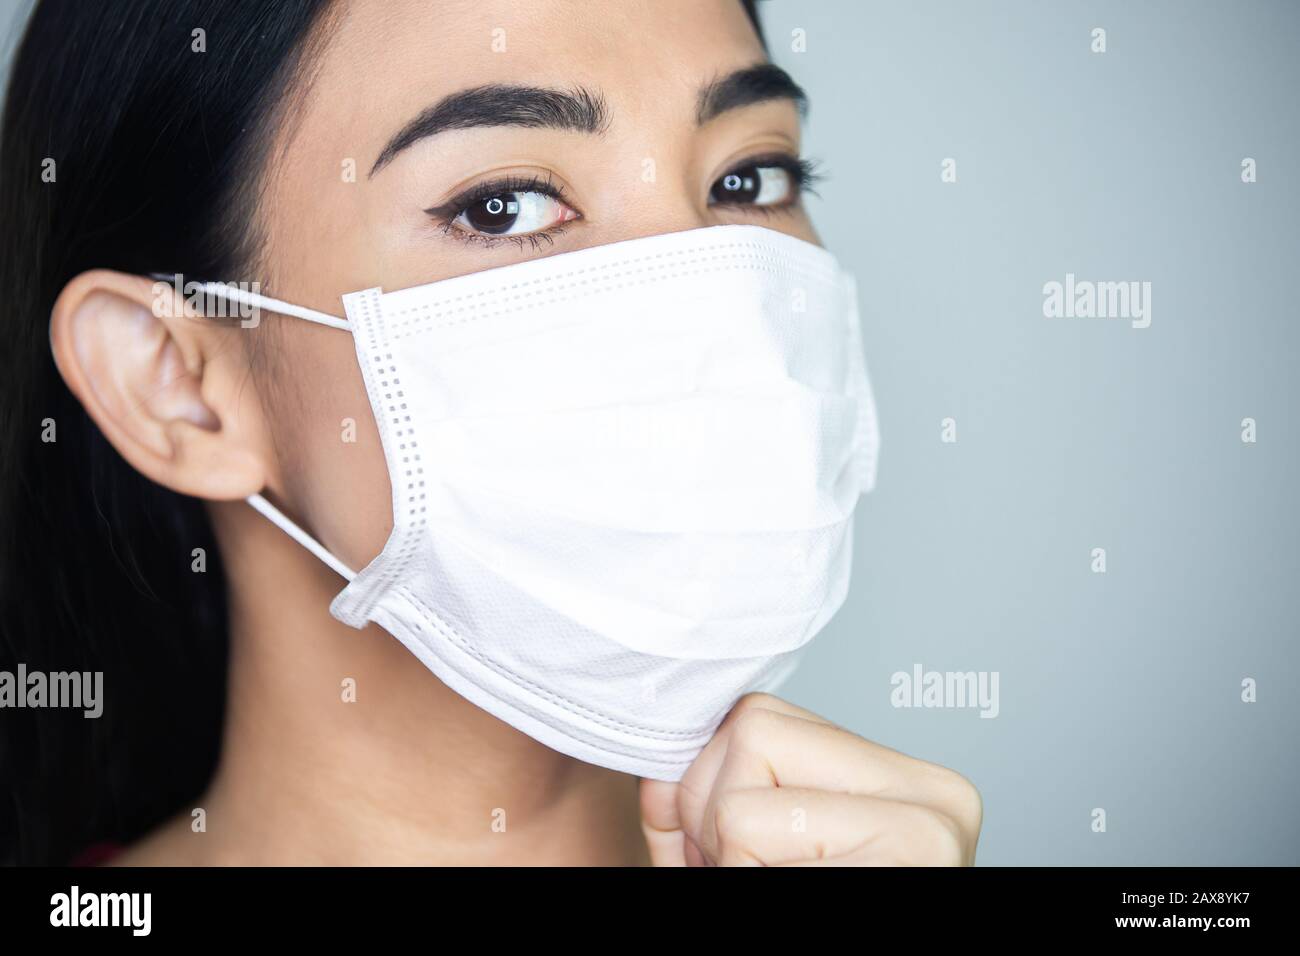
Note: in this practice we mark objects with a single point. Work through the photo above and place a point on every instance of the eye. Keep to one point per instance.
(771, 182)
(514, 214)
(518, 209)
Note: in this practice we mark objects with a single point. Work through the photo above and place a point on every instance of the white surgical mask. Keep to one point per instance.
(623, 481)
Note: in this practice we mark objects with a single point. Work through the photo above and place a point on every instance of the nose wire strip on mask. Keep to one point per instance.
(277, 517)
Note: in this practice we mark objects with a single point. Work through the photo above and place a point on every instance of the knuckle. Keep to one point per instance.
(963, 799)
(754, 701)
(972, 804)
(728, 821)
(724, 818)
(957, 795)
(946, 840)
(751, 727)
(929, 838)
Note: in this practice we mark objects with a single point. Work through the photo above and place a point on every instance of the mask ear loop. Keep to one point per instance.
(278, 518)
(259, 503)
(232, 293)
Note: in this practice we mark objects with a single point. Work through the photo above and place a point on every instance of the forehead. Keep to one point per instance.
(386, 60)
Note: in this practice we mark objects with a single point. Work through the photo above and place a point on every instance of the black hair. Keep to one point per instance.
(131, 132)
(125, 144)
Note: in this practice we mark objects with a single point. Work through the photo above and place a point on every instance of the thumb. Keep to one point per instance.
(661, 822)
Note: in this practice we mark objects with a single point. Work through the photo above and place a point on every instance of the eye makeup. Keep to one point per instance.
(487, 213)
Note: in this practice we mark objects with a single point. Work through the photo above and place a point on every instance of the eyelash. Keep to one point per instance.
(450, 211)
(803, 173)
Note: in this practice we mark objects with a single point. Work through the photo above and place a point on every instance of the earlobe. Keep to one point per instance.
(139, 371)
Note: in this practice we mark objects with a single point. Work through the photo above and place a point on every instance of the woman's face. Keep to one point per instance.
(434, 139)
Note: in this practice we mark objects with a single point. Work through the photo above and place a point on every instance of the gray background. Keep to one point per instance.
(1119, 690)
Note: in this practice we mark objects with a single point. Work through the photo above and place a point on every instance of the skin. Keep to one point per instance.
(411, 773)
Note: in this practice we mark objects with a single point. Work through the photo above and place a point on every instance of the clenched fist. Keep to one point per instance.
(778, 786)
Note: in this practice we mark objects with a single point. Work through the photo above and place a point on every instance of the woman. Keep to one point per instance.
(316, 148)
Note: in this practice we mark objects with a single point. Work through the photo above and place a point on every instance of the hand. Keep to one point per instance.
(779, 786)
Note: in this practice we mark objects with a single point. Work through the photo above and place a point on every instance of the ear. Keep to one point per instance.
(141, 377)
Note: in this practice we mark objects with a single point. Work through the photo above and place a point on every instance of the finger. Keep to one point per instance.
(768, 702)
(791, 826)
(661, 823)
(768, 747)
(665, 805)
(700, 777)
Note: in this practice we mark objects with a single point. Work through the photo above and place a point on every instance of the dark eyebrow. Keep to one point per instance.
(501, 105)
(755, 84)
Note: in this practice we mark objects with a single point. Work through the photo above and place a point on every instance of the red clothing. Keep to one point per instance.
(97, 853)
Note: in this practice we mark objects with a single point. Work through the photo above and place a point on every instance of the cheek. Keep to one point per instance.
(333, 465)
(350, 495)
